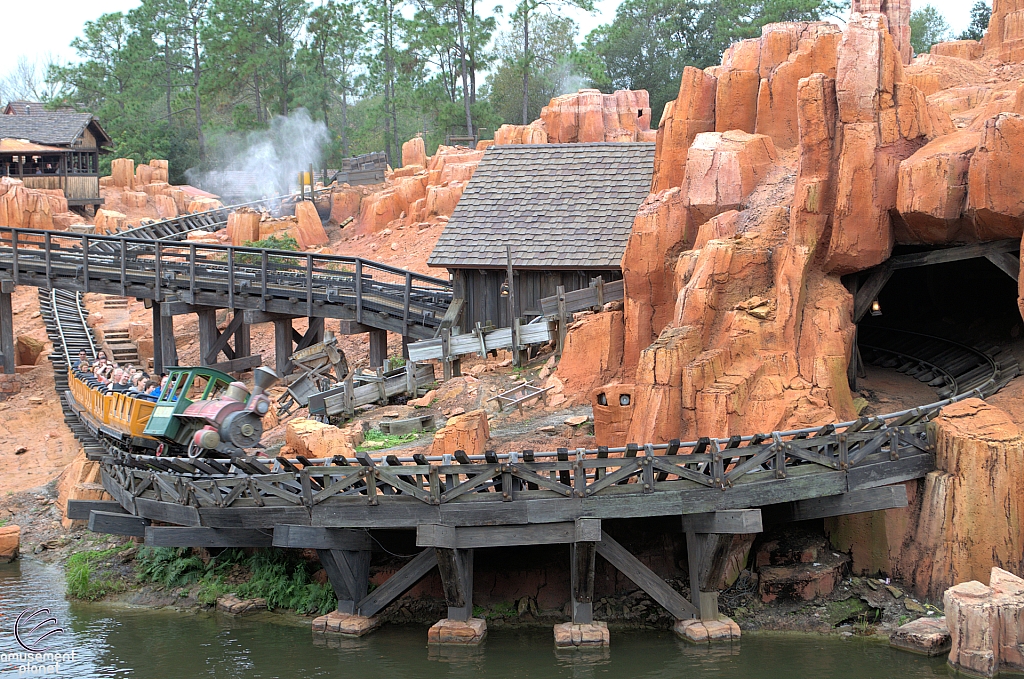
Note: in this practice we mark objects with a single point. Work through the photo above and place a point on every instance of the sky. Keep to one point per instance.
(63, 20)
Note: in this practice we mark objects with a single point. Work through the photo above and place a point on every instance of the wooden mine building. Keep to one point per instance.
(53, 150)
(566, 211)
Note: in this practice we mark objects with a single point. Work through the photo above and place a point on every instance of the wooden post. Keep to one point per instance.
(158, 353)
(243, 342)
(282, 345)
(7, 326)
(582, 556)
(378, 347)
(446, 363)
(516, 357)
(705, 602)
(560, 290)
(168, 346)
(207, 334)
(349, 574)
(456, 567)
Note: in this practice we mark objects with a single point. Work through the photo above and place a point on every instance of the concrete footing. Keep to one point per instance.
(927, 636)
(337, 622)
(448, 631)
(707, 631)
(587, 635)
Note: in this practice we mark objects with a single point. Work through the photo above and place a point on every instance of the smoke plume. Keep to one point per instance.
(266, 162)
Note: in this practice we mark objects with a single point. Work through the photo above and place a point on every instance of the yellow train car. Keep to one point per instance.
(115, 414)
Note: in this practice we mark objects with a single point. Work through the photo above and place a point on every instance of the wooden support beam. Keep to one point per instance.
(582, 559)
(201, 536)
(349, 574)
(243, 337)
(697, 545)
(163, 337)
(378, 347)
(456, 567)
(283, 346)
(739, 521)
(468, 537)
(79, 509)
(1007, 262)
(7, 333)
(220, 340)
(254, 316)
(313, 537)
(238, 365)
(208, 334)
(853, 502)
(868, 290)
(180, 308)
(954, 254)
(397, 584)
(116, 523)
(644, 578)
(348, 327)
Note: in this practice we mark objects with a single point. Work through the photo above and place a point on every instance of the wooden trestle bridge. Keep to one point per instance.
(459, 503)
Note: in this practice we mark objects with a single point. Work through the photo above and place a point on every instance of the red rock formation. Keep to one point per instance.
(468, 432)
(345, 202)
(961, 49)
(897, 14)
(244, 226)
(1004, 39)
(414, 152)
(995, 195)
(661, 229)
(692, 112)
(722, 169)
(534, 133)
(986, 625)
(589, 116)
(963, 519)
(882, 121)
(310, 231)
(10, 540)
(932, 189)
(592, 355)
(108, 221)
(122, 172)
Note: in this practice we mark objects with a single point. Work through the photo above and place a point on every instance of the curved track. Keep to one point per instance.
(950, 367)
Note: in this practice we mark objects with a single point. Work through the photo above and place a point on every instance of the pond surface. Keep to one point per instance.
(112, 642)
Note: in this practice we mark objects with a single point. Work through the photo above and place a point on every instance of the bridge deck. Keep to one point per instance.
(282, 282)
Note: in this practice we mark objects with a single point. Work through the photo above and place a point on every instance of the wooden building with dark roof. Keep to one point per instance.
(566, 211)
(53, 150)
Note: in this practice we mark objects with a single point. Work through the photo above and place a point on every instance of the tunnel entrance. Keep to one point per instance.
(930, 329)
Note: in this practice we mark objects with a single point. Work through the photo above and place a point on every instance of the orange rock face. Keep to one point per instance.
(310, 232)
(345, 203)
(692, 112)
(10, 539)
(108, 221)
(468, 432)
(534, 133)
(961, 49)
(122, 172)
(589, 116)
(985, 624)
(722, 169)
(318, 440)
(244, 226)
(414, 152)
(25, 208)
(79, 481)
(933, 187)
(1004, 39)
(995, 196)
(592, 355)
(661, 229)
(882, 121)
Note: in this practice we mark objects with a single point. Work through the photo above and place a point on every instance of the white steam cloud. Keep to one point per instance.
(266, 162)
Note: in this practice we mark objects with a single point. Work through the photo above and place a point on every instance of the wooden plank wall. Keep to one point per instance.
(483, 292)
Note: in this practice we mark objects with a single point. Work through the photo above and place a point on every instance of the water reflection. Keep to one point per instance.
(112, 642)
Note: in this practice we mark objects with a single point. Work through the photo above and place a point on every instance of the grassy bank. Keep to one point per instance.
(283, 578)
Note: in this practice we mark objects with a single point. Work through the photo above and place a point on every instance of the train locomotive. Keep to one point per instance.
(201, 412)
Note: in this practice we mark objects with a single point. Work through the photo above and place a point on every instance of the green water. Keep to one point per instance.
(116, 642)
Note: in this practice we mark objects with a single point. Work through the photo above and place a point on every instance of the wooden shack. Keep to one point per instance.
(565, 210)
(53, 150)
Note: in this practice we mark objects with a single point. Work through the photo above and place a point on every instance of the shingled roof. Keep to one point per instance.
(560, 206)
(58, 128)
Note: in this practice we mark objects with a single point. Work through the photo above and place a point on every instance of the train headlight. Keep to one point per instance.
(262, 407)
(206, 438)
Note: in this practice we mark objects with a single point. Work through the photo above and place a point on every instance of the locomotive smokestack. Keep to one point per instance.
(263, 378)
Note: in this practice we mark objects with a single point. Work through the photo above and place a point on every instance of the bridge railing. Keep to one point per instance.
(236, 277)
(724, 464)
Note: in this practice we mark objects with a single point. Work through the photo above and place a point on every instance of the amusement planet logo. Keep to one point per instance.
(31, 630)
